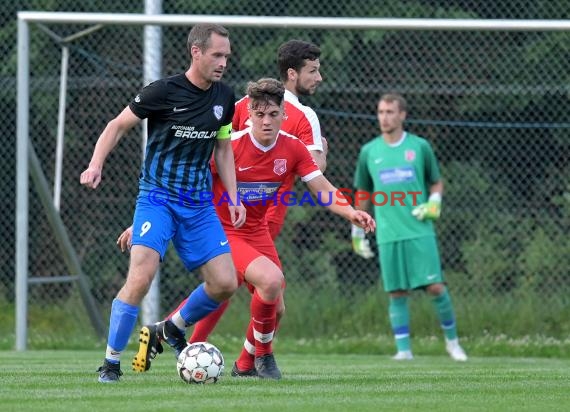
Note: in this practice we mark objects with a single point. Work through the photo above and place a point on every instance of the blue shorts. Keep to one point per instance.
(195, 231)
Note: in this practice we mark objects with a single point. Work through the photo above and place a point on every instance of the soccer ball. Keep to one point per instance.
(200, 362)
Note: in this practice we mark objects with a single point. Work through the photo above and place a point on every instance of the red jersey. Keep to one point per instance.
(300, 121)
(260, 173)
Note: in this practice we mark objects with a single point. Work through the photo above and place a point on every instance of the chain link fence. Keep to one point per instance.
(493, 104)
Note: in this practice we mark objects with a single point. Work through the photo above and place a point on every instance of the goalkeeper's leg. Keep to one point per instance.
(400, 321)
(444, 309)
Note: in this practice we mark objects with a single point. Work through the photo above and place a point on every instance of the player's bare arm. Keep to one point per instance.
(115, 129)
(225, 165)
(437, 187)
(320, 156)
(362, 204)
(320, 159)
(339, 205)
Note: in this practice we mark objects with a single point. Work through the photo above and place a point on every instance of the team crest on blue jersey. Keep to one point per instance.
(410, 155)
(218, 111)
(280, 166)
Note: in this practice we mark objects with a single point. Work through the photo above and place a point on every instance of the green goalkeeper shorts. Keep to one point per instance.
(410, 264)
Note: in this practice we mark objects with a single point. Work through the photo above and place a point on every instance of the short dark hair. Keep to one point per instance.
(395, 97)
(200, 36)
(292, 55)
(265, 91)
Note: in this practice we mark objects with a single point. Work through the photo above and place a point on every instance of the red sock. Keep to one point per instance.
(263, 316)
(246, 357)
(205, 326)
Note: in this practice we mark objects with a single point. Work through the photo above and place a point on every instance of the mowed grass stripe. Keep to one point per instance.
(66, 380)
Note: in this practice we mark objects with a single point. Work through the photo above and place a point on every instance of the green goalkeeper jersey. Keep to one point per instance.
(398, 178)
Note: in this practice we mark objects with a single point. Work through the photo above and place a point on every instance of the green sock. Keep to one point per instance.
(400, 321)
(444, 310)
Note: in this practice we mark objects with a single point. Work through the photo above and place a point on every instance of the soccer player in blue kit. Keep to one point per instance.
(189, 118)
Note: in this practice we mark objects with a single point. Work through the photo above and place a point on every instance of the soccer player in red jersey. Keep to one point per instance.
(299, 70)
(265, 158)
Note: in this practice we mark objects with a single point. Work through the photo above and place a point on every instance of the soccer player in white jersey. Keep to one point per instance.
(403, 168)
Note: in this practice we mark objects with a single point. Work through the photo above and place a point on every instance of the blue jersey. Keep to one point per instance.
(183, 124)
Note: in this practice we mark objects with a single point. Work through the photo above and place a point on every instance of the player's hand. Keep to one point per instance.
(125, 239)
(363, 220)
(237, 215)
(430, 210)
(91, 177)
(361, 245)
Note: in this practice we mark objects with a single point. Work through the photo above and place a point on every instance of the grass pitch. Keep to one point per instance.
(66, 380)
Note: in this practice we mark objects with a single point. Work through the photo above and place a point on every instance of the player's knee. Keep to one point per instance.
(220, 277)
(280, 311)
(399, 294)
(435, 289)
(225, 285)
(271, 285)
(143, 260)
(136, 286)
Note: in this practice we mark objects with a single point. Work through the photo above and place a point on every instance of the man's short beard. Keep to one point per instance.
(301, 91)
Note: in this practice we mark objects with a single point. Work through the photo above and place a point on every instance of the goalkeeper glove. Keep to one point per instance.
(360, 244)
(430, 210)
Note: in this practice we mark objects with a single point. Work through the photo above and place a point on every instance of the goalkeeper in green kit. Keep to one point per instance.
(398, 175)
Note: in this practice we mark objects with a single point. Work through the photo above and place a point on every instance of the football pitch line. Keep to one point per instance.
(66, 380)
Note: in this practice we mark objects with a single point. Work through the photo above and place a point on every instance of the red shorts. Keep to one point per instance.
(248, 247)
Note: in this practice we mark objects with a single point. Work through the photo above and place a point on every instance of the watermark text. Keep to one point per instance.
(341, 197)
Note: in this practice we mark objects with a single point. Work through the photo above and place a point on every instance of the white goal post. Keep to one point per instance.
(27, 161)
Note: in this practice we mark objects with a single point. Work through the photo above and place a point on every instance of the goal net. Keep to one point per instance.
(491, 96)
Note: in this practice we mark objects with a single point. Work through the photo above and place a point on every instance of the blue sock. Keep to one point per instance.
(121, 324)
(400, 321)
(444, 310)
(198, 305)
